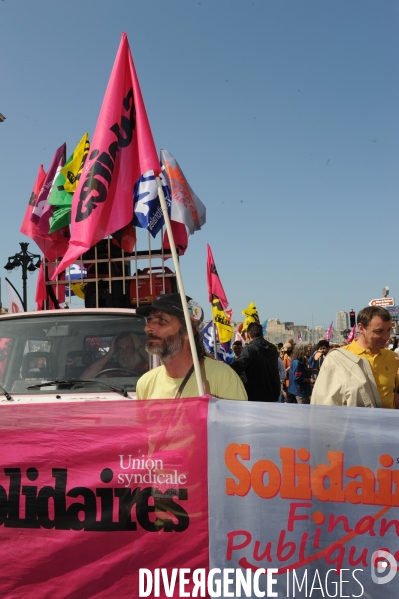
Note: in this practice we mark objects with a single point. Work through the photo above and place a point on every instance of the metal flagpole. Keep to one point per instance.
(181, 288)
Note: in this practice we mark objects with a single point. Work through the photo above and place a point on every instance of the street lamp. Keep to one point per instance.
(29, 262)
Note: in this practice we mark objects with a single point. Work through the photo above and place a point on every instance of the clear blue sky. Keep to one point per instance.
(284, 116)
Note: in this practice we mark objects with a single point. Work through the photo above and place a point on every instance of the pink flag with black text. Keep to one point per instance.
(329, 332)
(215, 286)
(121, 151)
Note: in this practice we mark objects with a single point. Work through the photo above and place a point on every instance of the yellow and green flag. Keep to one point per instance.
(225, 331)
(65, 185)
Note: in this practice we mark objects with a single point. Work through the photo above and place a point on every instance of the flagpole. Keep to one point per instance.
(181, 288)
(215, 348)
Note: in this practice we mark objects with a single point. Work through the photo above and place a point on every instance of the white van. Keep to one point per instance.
(44, 355)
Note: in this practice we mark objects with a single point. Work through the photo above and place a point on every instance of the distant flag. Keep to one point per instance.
(251, 314)
(224, 349)
(41, 212)
(15, 303)
(299, 337)
(329, 332)
(239, 337)
(52, 246)
(122, 150)
(65, 185)
(215, 287)
(75, 275)
(264, 327)
(229, 314)
(352, 334)
(224, 329)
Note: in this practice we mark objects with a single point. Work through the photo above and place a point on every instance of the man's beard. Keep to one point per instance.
(166, 348)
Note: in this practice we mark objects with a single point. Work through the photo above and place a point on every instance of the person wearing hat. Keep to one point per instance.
(167, 338)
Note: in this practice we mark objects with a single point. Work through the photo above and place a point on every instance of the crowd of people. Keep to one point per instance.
(363, 373)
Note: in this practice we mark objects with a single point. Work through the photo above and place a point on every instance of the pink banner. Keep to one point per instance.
(92, 492)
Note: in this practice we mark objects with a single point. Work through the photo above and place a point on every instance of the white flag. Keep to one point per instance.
(186, 207)
(14, 301)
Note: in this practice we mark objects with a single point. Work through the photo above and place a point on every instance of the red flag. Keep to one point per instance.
(52, 246)
(49, 293)
(179, 235)
(121, 151)
(215, 286)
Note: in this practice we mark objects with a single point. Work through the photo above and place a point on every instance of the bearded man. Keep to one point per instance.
(167, 338)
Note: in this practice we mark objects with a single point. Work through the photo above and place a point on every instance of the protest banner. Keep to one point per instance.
(116, 498)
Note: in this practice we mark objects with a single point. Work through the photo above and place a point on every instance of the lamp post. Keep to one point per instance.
(27, 261)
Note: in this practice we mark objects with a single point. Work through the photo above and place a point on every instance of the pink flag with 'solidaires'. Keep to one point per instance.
(121, 151)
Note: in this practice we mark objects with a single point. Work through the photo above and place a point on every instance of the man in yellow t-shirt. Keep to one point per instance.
(375, 326)
(167, 338)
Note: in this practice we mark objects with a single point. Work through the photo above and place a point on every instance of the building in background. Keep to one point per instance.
(342, 320)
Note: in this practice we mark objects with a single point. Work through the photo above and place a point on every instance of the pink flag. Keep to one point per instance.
(351, 335)
(329, 332)
(299, 338)
(215, 286)
(40, 203)
(52, 246)
(121, 151)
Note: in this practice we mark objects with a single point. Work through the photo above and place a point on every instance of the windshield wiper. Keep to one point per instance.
(7, 395)
(71, 382)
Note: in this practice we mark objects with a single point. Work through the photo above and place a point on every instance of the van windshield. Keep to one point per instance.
(71, 347)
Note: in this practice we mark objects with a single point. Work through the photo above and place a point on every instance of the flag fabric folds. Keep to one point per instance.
(122, 150)
(14, 299)
(186, 207)
(75, 275)
(251, 314)
(329, 332)
(40, 202)
(65, 185)
(54, 295)
(147, 207)
(352, 334)
(224, 352)
(299, 338)
(223, 326)
(215, 287)
(52, 246)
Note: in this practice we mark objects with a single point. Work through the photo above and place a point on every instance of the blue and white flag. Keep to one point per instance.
(147, 207)
(74, 274)
(224, 350)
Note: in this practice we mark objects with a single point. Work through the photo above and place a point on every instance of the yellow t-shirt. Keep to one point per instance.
(385, 370)
(218, 379)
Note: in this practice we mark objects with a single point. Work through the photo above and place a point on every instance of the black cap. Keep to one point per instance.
(170, 303)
